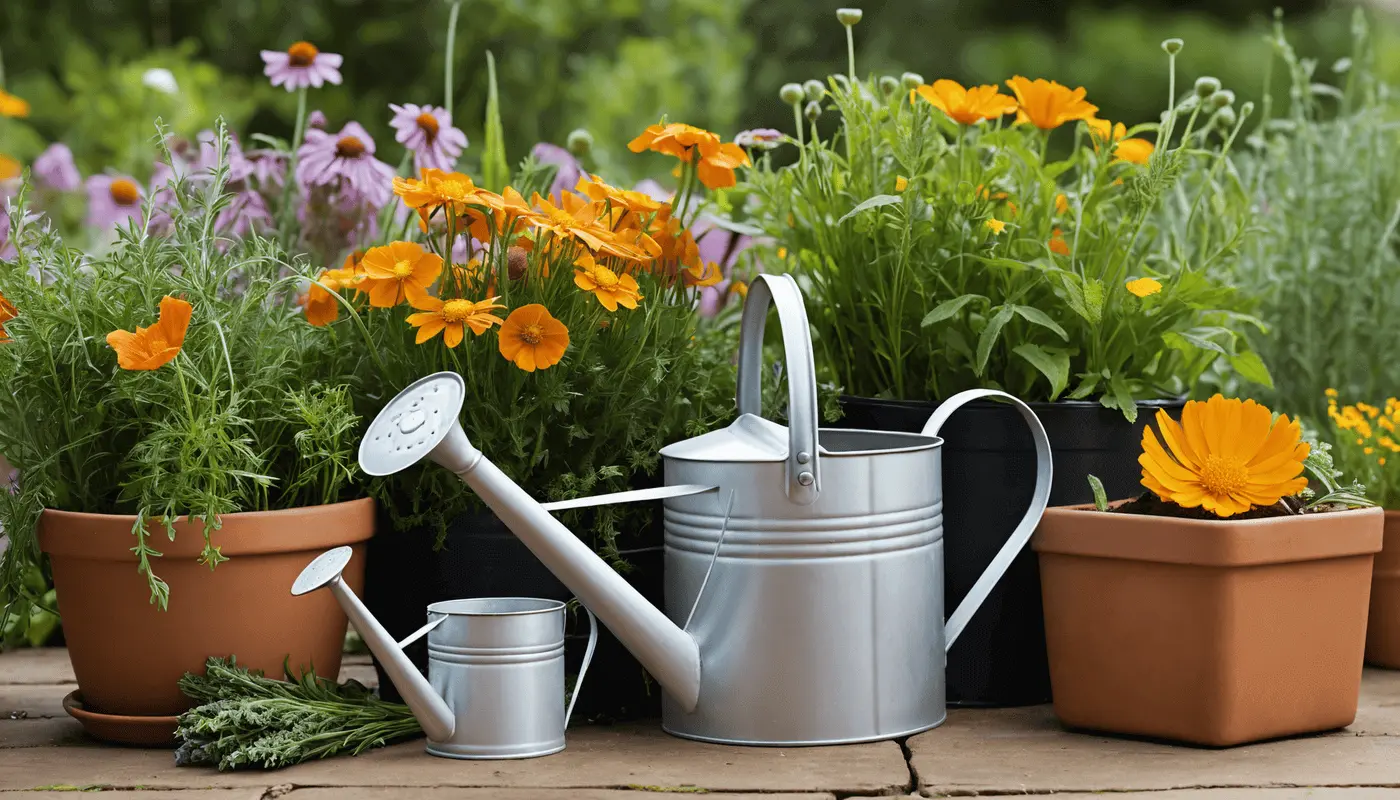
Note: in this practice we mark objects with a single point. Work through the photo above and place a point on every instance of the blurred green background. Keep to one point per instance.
(610, 66)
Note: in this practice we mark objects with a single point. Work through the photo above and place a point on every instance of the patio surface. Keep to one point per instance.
(982, 752)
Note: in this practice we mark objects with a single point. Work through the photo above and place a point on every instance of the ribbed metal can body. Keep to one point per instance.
(819, 623)
(499, 664)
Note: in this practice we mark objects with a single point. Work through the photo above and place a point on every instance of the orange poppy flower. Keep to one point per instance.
(716, 168)
(703, 275)
(532, 339)
(1048, 104)
(7, 313)
(1134, 151)
(611, 289)
(965, 106)
(1058, 245)
(399, 271)
(11, 106)
(1061, 204)
(154, 347)
(717, 161)
(322, 307)
(9, 168)
(452, 318)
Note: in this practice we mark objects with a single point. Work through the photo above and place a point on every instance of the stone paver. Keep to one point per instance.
(58, 791)
(390, 793)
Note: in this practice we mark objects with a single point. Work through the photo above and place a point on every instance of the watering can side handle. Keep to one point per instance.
(1044, 472)
(782, 292)
(583, 668)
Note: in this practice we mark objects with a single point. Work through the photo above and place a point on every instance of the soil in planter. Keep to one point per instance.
(1149, 504)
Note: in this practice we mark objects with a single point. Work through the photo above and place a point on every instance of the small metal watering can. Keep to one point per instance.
(804, 567)
(495, 686)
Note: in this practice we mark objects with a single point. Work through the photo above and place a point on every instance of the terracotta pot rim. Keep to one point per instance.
(245, 516)
(1224, 522)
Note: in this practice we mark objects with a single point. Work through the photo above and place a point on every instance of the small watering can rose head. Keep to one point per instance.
(1226, 456)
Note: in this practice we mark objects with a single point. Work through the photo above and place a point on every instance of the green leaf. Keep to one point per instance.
(1053, 365)
(875, 202)
(1093, 300)
(989, 336)
(1187, 341)
(1100, 496)
(1122, 397)
(949, 308)
(1087, 384)
(1037, 317)
(494, 169)
(742, 228)
(1251, 367)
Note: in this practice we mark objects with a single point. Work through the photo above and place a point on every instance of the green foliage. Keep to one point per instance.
(239, 420)
(1365, 444)
(1324, 173)
(917, 295)
(242, 719)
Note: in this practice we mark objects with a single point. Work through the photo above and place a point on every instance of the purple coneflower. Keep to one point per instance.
(316, 120)
(302, 65)
(269, 167)
(760, 138)
(347, 155)
(428, 132)
(569, 172)
(112, 199)
(246, 212)
(54, 169)
(239, 167)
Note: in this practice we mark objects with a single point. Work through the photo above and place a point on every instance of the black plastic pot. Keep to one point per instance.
(988, 478)
(482, 558)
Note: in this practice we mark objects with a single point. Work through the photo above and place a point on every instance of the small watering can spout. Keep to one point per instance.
(422, 422)
(432, 712)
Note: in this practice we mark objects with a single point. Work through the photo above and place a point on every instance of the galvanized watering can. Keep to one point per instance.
(804, 567)
(495, 686)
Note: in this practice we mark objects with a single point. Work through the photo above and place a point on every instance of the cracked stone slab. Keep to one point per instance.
(50, 666)
(597, 757)
(32, 702)
(394, 793)
(1300, 793)
(41, 733)
(145, 794)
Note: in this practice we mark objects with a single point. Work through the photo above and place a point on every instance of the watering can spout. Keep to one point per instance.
(437, 719)
(422, 422)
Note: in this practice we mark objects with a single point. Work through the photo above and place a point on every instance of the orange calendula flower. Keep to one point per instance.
(532, 339)
(437, 188)
(322, 307)
(1058, 245)
(154, 347)
(594, 188)
(452, 318)
(7, 313)
(716, 168)
(900, 183)
(1048, 104)
(1136, 151)
(717, 160)
(702, 275)
(1061, 204)
(611, 289)
(965, 106)
(9, 168)
(1143, 287)
(995, 225)
(397, 272)
(11, 106)
(1226, 456)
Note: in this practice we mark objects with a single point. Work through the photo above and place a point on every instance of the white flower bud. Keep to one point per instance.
(1207, 86)
(1173, 46)
(580, 142)
(911, 80)
(814, 90)
(813, 111)
(849, 16)
(791, 93)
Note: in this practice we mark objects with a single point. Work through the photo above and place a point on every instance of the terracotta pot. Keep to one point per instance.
(128, 654)
(1212, 632)
(1383, 627)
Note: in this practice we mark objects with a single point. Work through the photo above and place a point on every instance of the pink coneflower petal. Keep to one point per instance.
(54, 169)
(301, 66)
(112, 199)
(346, 157)
(427, 131)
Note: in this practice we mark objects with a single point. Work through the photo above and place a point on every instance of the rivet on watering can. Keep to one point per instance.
(804, 457)
(805, 478)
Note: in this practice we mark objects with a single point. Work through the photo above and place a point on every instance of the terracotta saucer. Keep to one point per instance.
(118, 729)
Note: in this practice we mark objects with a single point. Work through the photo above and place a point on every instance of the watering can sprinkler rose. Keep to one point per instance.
(804, 567)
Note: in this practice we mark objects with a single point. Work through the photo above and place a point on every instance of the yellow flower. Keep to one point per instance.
(1330, 392)
(702, 275)
(322, 307)
(154, 347)
(1142, 287)
(995, 225)
(611, 289)
(595, 188)
(11, 106)
(740, 288)
(9, 168)
(1047, 104)
(452, 318)
(533, 339)
(437, 188)
(717, 160)
(1061, 204)
(1226, 456)
(1135, 151)
(399, 271)
(965, 106)
(1381, 461)
(1058, 245)
(7, 313)
(900, 183)
(782, 252)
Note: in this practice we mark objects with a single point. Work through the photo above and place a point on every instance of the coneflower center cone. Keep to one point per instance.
(302, 54)
(124, 192)
(428, 124)
(349, 147)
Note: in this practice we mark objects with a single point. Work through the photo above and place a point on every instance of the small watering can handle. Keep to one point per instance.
(781, 291)
(583, 668)
(1044, 471)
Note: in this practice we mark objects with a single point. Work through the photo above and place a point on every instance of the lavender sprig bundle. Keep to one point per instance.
(246, 720)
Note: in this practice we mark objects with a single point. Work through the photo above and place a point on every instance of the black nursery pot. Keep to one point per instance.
(482, 558)
(988, 480)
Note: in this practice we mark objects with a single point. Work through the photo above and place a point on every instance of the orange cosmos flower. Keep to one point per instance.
(1144, 287)
(1136, 151)
(9, 168)
(1058, 245)
(11, 106)
(452, 318)
(1047, 104)
(995, 225)
(532, 339)
(702, 275)
(399, 271)
(594, 188)
(717, 160)
(965, 106)
(7, 313)
(611, 289)
(716, 169)
(1061, 204)
(154, 347)
(322, 307)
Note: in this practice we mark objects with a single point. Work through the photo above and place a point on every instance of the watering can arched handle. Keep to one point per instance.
(781, 292)
(1044, 472)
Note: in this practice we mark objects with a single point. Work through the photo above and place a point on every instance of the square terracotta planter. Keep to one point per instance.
(1383, 628)
(1210, 632)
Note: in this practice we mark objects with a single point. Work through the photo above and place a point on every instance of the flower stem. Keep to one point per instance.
(297, 132)
(851, 53)
(451, 46)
